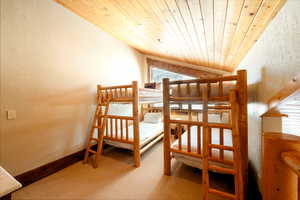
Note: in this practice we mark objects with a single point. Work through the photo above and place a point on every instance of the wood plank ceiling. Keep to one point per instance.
(212, 33)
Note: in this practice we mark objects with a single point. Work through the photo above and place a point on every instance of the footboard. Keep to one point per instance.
(118, 129)
(190, 141)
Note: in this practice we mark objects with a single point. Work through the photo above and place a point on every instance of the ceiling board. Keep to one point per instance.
(212, 33)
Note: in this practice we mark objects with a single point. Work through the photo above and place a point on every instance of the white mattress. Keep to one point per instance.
(197, 162)
(146, 130)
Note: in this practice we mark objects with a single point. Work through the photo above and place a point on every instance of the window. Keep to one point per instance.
(157, 75)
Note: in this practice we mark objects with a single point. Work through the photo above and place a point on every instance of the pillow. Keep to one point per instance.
(212, 118)
(225, 118)
(153, 118)
(120, 109)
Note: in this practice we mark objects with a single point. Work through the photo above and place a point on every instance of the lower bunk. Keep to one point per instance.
(120, 129)
(149, 133)
(189, 153)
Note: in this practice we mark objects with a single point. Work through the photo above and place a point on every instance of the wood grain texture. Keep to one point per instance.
(278, 180)
(292, 159)
(212, 33)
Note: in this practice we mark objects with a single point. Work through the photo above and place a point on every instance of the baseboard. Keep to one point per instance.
(50, 168)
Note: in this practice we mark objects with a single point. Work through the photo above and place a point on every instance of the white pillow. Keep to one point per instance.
(120, 109)
(153, 118)
(225, 118)
(212, 118)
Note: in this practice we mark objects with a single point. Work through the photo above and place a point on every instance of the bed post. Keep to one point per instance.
(236, 141)
(99, 124)
(136, 134)
(166, 108)
(243, 122)
(99, 101)
(206, 138)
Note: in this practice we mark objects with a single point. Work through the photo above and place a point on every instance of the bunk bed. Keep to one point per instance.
(218, 145)
(118, 120)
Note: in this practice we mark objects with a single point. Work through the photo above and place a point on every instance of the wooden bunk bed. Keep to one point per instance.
(125, 131)
(212, 146)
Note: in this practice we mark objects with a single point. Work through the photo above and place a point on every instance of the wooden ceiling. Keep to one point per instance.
(211, 33)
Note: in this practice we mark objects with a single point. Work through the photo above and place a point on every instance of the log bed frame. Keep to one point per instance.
(235, 102)
(129, 94)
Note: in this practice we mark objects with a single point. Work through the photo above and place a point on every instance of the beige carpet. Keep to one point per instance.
(117, 179)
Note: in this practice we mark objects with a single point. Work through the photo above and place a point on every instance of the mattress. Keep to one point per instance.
(147, 95)
(147, 132)
(197, 162)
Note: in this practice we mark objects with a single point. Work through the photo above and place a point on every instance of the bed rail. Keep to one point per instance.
(121, 93)
(125, 94)
(117, 129)
(188, 91)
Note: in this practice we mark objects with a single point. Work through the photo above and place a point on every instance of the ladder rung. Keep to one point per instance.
(217, 146)
(94, 152)
(222, 169)
(96, 126)
(221, 193)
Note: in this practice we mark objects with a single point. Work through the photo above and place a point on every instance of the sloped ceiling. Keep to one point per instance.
(211, 33)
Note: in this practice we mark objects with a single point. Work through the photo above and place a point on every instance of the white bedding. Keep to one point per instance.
(146, 130)
(197, 162)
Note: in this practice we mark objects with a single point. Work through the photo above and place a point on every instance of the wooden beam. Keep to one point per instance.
(285, 92)
(179, 69)
(288, 95)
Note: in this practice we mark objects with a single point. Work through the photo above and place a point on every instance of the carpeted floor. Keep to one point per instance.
(117, 179)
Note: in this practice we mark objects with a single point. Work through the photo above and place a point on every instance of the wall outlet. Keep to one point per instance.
(11, 114)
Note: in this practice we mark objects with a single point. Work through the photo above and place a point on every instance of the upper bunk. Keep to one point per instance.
(191, 91)
(129, 94)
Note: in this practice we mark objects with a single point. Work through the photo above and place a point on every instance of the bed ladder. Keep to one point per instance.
(236, 171)
(99, 122)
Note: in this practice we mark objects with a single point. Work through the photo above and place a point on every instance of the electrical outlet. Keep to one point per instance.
(11, 114)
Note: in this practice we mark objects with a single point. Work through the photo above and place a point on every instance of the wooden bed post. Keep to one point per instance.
(99, 124)
(136, 134)
(243, 122)
(205, 175)
(167, 156)
(99, 101)
(238, 163)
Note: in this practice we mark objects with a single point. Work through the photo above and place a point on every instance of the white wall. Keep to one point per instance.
(51, 62)
(271, 63)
